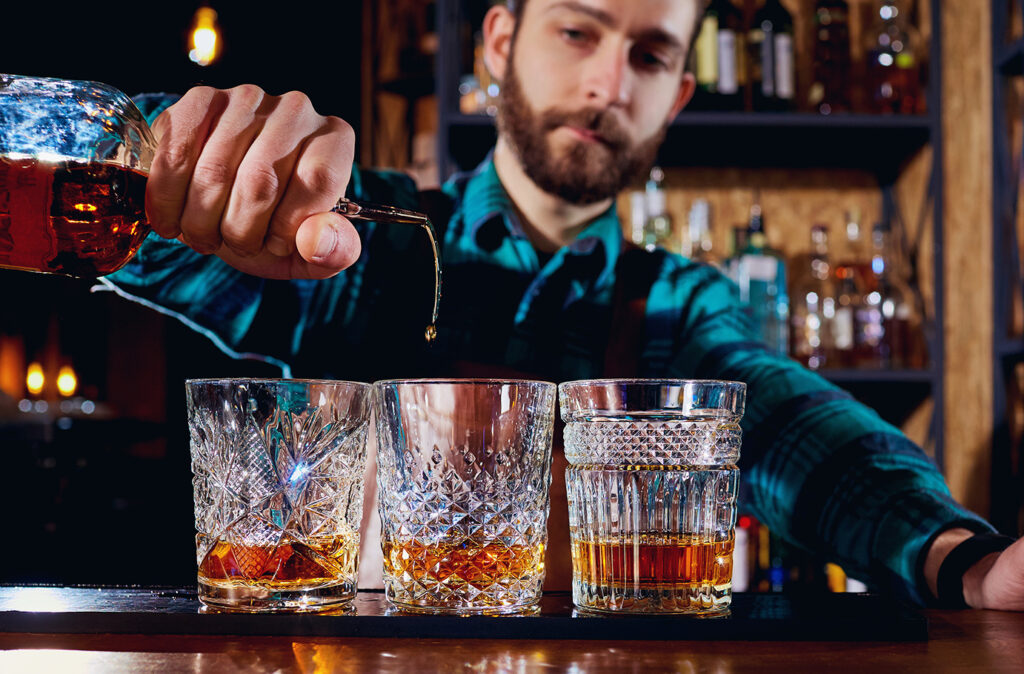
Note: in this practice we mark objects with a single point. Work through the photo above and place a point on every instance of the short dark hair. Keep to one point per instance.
(518, 6)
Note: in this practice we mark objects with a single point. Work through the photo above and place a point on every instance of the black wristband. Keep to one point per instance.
(950, 582)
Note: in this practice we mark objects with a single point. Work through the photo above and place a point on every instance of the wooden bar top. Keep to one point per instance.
(959, 641)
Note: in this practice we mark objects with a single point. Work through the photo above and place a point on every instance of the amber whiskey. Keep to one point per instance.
(653, 572)
(656, 560)
(316, 561)
(79, 219)
(478, 564)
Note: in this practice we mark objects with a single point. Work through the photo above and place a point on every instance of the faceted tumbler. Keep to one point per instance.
(652, 484)
(278, 486)
(463, 474)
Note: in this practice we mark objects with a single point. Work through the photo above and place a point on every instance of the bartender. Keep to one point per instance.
(538, 281)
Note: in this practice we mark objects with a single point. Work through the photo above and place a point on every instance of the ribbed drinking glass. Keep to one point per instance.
(652, 485)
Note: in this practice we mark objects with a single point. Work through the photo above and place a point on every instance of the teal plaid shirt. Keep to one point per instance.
(820, 469)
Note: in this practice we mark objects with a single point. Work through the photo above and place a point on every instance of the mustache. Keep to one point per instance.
(601, 122)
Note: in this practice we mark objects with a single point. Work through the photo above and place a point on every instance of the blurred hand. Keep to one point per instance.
(251, 178)
(997, 581)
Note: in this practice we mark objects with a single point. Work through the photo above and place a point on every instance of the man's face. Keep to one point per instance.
(590, 88)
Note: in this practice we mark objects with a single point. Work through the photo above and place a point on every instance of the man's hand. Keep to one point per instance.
(252, 178)
(996, 581)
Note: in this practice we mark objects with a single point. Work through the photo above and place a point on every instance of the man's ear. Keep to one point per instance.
(499, 24)
(686, 90)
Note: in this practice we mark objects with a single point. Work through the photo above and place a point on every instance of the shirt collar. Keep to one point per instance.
(485, 201)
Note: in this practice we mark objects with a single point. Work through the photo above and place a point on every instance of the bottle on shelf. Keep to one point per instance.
(697, 239)
(760, 273)
(737, 243)
(830, 89)
(657, 221)
(637, 216)
(814, 306)
(894, 300)
(892, 47)
(770, 58)
(850, 278)
(719, 58)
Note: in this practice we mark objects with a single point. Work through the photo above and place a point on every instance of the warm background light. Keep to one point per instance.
(35, 379)
(67, 382)
(205, 37)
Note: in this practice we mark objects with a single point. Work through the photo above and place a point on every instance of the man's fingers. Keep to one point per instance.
(264, 175)
(325, 241)
(318, 180)
(215, 170)
(182, 128)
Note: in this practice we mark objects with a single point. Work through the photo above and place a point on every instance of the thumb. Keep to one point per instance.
(328, 240)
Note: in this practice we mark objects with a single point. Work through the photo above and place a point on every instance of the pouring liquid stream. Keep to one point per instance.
(392, 215)
(87, 219)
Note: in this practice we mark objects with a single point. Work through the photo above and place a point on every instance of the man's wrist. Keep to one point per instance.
(940, 548)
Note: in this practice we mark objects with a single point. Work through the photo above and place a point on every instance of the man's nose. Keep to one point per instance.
(606, 81)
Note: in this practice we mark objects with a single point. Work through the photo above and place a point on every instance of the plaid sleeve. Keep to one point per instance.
(151, 105)
(820, 469)
(246, 316)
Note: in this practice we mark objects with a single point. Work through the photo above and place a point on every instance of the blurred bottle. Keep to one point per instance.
(737, 243)
(718, 58)
(697, 240)
(830, 89)
(770, 58)
(851, 274)
(760, 273)
(657, 222)
(895, 301)
(892, 49)
(814, 310)
(637, 216)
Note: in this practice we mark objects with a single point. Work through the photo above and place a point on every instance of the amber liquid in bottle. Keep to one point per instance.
(285, 566)
(73, 218)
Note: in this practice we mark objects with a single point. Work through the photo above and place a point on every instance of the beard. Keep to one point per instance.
(586, 172)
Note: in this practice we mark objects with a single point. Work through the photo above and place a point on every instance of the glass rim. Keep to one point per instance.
(274, 381)
(468, 380)
(724, 383)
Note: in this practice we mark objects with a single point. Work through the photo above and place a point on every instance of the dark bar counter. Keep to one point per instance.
(122, 629)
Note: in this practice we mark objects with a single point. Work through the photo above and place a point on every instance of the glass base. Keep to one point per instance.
(526, 608)
(701, 600)
(263, 599)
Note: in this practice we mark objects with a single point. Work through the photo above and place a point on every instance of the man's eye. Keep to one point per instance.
(573, 35)
(653, 61)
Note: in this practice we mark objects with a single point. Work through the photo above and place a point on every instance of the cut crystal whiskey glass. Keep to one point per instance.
(463, 472)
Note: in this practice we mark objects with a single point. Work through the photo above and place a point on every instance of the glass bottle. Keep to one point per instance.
(718, 58)
(850, 278)
(830, 89)
(760, 273)
(893, 67)
(813, 306)
(737, 244)
(895, 300)
(657, 221)
(697, 242)
(770, 58)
